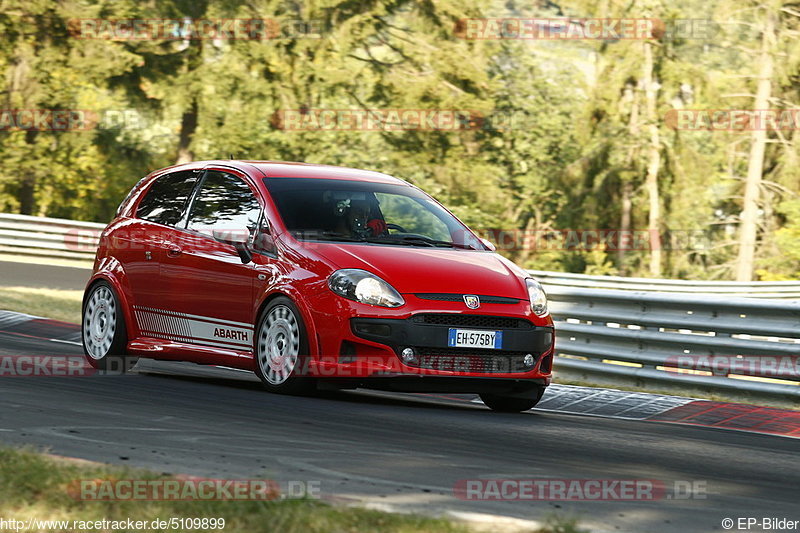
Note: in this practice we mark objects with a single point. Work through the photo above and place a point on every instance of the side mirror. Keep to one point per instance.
(264, 241)
(489, 244)
(236, 235)
(232, 234)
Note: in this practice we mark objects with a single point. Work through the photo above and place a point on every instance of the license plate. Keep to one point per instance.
(474, 338)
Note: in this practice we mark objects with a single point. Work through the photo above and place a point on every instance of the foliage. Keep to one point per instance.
(563, 139)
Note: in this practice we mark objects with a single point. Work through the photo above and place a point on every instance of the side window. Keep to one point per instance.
(223, 200)
(166, 198)
(128, 197)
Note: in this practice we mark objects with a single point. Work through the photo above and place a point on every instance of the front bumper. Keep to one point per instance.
(365, 342)
(426, 334)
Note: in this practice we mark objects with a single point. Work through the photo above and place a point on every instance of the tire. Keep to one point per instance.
(103, 330)
(281, 349)
(512, 404)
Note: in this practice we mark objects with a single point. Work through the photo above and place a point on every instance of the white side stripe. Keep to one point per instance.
(187, 315)
(197, 329)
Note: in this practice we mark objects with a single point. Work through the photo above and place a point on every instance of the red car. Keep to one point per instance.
(309, 273)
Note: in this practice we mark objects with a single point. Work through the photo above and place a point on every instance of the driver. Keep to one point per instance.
(359, 219)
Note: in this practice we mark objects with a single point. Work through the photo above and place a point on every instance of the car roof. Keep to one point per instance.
(284, 169)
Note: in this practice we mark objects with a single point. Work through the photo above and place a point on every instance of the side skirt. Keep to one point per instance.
(154, 348)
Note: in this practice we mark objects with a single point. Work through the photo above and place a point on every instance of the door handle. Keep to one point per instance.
(173, 251)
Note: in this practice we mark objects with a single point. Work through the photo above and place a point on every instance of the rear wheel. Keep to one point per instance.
(281, 349)
(512, 404)
(103, 330)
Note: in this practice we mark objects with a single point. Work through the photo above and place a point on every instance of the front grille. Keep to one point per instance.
(470, 360)
(450, 297)
(471, 321)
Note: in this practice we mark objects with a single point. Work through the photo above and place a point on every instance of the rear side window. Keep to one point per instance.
(128, 197)
(224, 200)
(166, 198)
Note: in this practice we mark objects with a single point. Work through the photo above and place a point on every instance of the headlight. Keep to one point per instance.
(537, 297)
(364, 287)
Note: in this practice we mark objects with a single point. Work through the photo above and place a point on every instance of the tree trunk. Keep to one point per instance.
(188, 127)
(626, 189)
(624, 224)
(26, 194)
(653, 163)
(748, 224)
(192, 63)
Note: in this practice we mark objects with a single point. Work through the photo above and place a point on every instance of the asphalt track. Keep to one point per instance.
(392, 451)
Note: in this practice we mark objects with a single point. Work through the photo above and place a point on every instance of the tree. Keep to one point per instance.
(748, 224)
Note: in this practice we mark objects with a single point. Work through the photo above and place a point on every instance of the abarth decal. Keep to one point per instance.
(196, 329)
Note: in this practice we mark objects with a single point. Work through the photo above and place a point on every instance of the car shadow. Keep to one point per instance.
(242, 380)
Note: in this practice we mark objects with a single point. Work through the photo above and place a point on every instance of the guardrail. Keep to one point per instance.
(758, 289)
(717, 335)
(51, 237)
(709, 334)
(698, 340)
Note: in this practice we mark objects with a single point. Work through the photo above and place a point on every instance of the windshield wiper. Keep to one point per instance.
(325, 236)
(434, 242)
(405, 240)
(414, 240)
(396, 240)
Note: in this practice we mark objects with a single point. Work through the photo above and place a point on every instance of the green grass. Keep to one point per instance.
(36, 486)
(50, 303)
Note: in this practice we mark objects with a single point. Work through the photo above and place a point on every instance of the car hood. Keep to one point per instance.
(443, 270)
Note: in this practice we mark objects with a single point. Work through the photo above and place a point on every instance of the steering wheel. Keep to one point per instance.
(396, 227)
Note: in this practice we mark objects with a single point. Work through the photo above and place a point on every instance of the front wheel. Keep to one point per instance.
(103, 330)
(281, 349)
(512, 404)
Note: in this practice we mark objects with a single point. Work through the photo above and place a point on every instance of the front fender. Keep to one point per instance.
(301, 301)
(111, 270)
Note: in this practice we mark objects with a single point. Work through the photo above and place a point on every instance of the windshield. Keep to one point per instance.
(357, 211)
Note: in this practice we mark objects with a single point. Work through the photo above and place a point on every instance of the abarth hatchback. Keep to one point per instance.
(313, 275)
